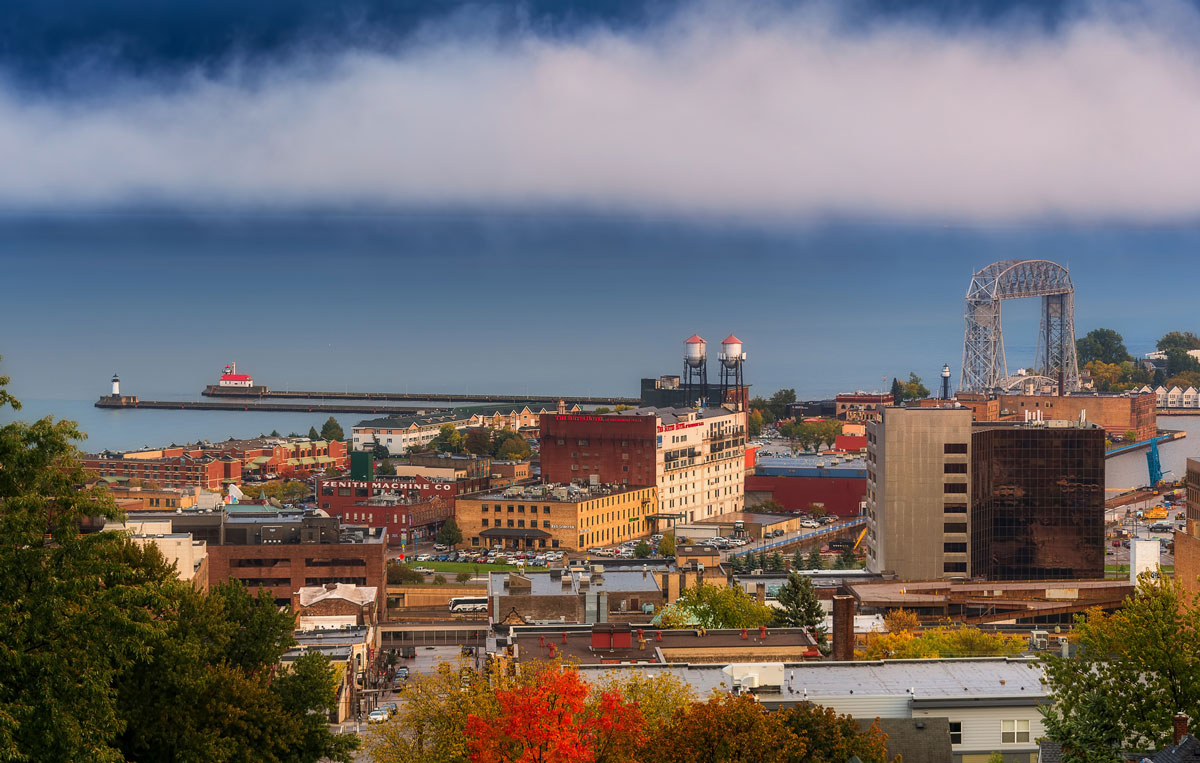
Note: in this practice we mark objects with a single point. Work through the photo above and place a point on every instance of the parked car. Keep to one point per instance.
(810, 524)
(378, 715)
(390, 708)
(424, 557)
(423, 570)
(440, 547)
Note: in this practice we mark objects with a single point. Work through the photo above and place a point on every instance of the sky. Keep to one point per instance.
(548, 197)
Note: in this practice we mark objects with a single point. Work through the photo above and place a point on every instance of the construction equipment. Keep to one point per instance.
(861, 535)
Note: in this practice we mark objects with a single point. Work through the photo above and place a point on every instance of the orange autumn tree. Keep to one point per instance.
(553, 722)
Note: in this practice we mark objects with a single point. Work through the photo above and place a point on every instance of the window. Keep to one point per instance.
(955, 448)
(954, 567)
(955, 732)
(1014, 732)
(954, 527)
(485, 522)
(954, 468)
(955, 487)
(955, 508)
(954, 548)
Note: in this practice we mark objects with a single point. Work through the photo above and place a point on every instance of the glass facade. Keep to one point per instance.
(1037, 509)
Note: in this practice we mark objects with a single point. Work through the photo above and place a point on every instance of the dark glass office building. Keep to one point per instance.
(1037, 501)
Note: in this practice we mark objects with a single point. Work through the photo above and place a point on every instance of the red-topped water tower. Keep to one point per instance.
(732, 358)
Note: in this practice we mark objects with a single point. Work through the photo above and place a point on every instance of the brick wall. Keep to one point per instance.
(620, 449)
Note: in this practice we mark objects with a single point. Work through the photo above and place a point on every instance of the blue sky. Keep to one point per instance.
(549, 196)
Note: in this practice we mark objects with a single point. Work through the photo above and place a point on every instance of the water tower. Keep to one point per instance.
(732, 359)
(695, 369)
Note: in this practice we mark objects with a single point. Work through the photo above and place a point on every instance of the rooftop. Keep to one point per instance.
(550, 493)
(606, 643)
(361, 595)
(971, 679)
(811, 466)
(568, 583)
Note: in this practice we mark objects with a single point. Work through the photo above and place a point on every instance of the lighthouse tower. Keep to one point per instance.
(116, 386)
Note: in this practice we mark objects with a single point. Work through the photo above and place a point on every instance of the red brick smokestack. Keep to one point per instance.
(1180, 725)
(843, 628)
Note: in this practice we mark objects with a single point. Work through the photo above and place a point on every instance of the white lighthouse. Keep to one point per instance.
(116, 386)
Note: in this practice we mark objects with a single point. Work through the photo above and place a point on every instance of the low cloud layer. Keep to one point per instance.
(769, 113)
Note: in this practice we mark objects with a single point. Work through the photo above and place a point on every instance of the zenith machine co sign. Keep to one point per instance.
(393, 486)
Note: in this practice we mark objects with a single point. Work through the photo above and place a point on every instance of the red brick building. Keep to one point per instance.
(839, 495)
(409, 509)
(620, 449)
(860, 406)
(167, 468)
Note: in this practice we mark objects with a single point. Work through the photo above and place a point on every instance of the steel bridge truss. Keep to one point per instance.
(984, 366)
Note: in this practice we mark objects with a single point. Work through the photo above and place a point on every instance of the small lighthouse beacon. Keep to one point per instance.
(116, 386)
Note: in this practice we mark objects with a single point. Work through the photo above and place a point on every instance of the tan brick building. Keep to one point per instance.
(1187, 544)
(563, 517)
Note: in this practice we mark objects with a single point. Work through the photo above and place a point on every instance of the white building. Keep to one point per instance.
(186, 554)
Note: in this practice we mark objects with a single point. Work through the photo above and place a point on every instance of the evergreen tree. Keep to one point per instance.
(313, 434)
(814, 561)
(332, 430)
(800, 607)
(897, 391)
(449, 534)
(797, 560)
(763, 563)
(776, 562)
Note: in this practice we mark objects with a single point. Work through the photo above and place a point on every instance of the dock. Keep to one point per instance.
(132, 403)
(1166, 435)
(264, 393)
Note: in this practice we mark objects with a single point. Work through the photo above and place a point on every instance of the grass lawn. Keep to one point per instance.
(471, 567)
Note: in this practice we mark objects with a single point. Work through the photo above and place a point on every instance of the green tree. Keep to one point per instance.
(464, 577)
(332, 430)
(737, 563)
(727, 729)
(439, 579)
(897, 391)
(1104, 345)
(387, 468)
(402, 574)
(313, 434)
(799, 606)
(780, 401)
(447, 440)
(379, 451)
(1184, 380)
(514, 449)
(1179, 340)
(642, 550)
(797, 562)
(1130, 435)
(763, 408)
(602, 410)
(814, 561)
(1133, 671)
(1180, 362)
(449, 534)
(847, 560)
(275, 433)
(666, 546)
(710, 606)
(914, 389)
(776, 562)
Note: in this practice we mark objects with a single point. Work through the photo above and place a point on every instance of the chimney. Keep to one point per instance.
(843, 628)
(761, 592)
(1180, 725)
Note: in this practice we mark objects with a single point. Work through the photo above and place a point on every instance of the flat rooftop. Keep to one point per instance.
(545, 493)
(975, 678)
(811, 466)
(551, 583)
(718, 647)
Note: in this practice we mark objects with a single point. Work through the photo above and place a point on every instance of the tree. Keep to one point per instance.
(780, 401)
(439, 579)
(726, 729)
(402, 574)
(514, 449)
(602, 410)
(1104, 345)
(799, 606)
(379, 451)
(814, 561)
(666, 546)
(964, 641)
(1184, 380)
(710, 606)
(832, 738)
(659, 696)
(770, 506)
(449, 534)
(1180, 362)
(553, 722)
(847, 560)
(463, 577)
(901, 621)
(1179, 340)
(1130, 435)
(447, 440)
(776, 562)
(797, 562)
(737, 563)
(1134, 669)
(642, 550)
(897, 391)
(914, 389)
(478, 441)
(274, 433)
(763, 407)
(332, 430)
(313, 434)
(387, 469)
(754, 422)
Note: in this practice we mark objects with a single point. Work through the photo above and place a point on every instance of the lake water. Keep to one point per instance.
(1129, 469)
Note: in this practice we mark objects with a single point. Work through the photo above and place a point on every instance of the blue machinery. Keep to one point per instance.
(1154, 464)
